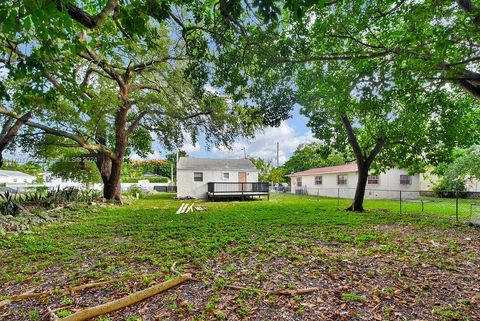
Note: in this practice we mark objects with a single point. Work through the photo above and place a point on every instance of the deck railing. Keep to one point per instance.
(237, 187)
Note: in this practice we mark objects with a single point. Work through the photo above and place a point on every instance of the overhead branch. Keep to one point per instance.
(136, 122)
(374, 152)
(152, 63)
(61, 133)
(91, 56)
(83, 17)
(470, 88)
(339, 56)
(469, 7)
(352, 138)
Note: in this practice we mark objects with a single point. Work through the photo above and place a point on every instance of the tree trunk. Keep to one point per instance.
(112, 189)
(364, 162)
(357, 205)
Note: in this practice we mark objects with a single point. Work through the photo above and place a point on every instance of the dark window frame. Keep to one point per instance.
(318, 180)
(299, 181)
(343, 180)
(405, 180)
(196, 178)
(373, 180)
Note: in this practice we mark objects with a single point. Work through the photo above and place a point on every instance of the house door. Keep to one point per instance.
(242, 178)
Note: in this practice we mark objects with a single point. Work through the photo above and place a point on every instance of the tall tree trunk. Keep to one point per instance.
(357, 205)
(363, 162)
(112, 189)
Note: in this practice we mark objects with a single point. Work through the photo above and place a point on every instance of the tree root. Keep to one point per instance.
(127, 300)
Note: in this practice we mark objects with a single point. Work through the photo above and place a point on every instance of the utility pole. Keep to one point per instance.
(176, 166)
(171, 174)
(278, 148)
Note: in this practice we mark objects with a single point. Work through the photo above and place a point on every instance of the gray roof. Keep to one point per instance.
(14, 174)
(215, 164)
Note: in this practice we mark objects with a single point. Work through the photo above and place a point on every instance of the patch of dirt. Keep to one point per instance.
(408, 273)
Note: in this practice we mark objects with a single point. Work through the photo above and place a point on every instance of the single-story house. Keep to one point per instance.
(341, 181)
(209, 178)
(15, 177)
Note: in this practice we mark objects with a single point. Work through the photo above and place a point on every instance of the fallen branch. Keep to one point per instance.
(291, 292)
(127, 300)
(31, 294)
(27, 295)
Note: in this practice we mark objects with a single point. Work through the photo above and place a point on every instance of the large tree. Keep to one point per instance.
(373, 116)
(108, 98)
(139, 61)
(387, 78)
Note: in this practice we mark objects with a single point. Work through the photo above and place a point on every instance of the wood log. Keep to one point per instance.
(128, 300)
(31, 294)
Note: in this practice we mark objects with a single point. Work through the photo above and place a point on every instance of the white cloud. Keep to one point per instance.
(264, 145)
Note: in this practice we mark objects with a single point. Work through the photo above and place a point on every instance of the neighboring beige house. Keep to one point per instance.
(194, 174)
(341, 181)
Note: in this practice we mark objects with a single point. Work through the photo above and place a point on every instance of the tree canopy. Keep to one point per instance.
(107, 82)
(313, 155)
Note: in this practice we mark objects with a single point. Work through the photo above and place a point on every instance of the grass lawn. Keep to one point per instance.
(377, 265)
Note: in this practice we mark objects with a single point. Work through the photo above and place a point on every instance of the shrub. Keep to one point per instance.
(135, 191)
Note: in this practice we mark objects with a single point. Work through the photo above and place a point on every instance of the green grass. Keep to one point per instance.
(149, 233)
(443, 208)
(267, 243)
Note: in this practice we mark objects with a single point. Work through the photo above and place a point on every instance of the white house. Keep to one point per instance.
(194, 174)
(15, 178)
(341, 181)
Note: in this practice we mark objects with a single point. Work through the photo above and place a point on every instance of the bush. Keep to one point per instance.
(13, 204)
(41, 189)
(135, 191)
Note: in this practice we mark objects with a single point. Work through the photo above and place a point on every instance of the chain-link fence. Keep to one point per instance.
(451, 205)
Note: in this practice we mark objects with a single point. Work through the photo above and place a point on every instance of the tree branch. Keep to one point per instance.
(142, 66)
(84, 18)
(136, 122)
(340, 56)
(61, 133)
(352, 139)
(378, 147)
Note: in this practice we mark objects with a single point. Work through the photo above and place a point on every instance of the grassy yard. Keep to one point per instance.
(376, 265)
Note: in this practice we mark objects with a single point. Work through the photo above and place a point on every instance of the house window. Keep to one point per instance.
(405, 180)
(318, 180)
(14, 180)
(299, 182)
(24, 180)
(226, 176)
(341, 179)
(373, 180)
(198, 177)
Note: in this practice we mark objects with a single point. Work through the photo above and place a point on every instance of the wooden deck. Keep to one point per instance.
(237, 190)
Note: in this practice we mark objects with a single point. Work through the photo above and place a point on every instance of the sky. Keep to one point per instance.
(289, 135)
